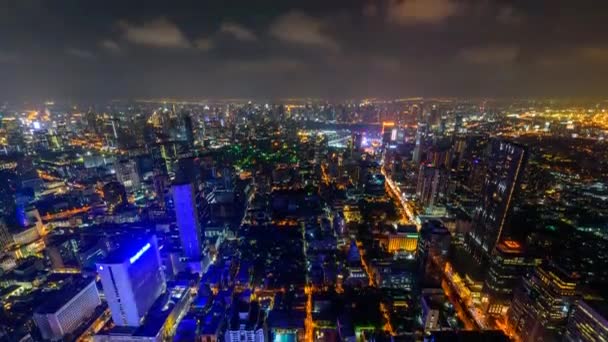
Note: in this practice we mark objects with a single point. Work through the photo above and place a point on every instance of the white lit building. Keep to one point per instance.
(132, 280)
(66, 309)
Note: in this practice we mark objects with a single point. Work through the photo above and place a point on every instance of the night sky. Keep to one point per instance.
(331, 49)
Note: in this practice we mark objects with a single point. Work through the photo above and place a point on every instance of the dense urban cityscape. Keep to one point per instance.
(375, 220)
(299, 171)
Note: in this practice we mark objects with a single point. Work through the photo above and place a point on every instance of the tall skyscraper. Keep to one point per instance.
(431, 185)
(190, 233)
(114, 127)
(421, 133)
(542, 304)
(506, 162)
(440, 154)
(188, 130)
(161, 181)
(132, 280)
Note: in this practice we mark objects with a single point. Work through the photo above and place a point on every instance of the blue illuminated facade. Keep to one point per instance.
(187, 220)
(139, 253)
(132, 279)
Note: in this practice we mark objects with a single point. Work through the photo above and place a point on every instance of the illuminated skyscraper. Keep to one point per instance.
(542, 304)
(184, 201)
(506, 162)
(132, 280)
(588, 322)
(508, 263)
(421, 133)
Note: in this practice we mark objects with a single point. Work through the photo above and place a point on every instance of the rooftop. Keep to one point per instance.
(160, 310)
(126, 251)
(465, 265)
(510, 247)
(55, 300)
(156, 317)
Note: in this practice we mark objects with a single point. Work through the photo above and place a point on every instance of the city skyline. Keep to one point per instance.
(304, 171)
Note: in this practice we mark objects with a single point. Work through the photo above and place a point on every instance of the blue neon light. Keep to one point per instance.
(139, 253)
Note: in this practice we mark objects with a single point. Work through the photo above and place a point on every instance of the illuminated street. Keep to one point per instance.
(404, 206)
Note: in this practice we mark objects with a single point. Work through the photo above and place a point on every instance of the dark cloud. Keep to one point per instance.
(273, 48)
(509, 15)
(299, 28)
(238, 31)
(80, 53)
(492, 54)
(422, 11)
(159, 33)
(204, 44)
(110, 46)
(277, 65)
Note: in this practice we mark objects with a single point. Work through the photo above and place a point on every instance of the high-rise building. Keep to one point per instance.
(440, 154)
(149, 135)
(505, 162)
(186, 213)
(161, 182)
(542, 304)
(431, 185)
(188, 130)
(62, 251)
(588, 322)
(126, 173)
(421, 133)
(434, 116)
(356, 274)
(375, 185)
(458, 123)
(508, 263)
(357, 141)
(432, 251)
(67, 309)
(92, 121)
(246, 323)
(432, 305)
(132, 280)
(114, 129)
(114, 195)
